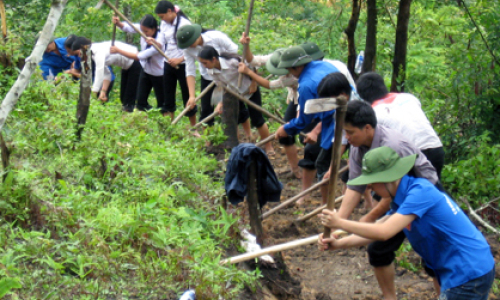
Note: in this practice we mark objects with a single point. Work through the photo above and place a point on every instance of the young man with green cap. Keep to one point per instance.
(309, 74)
(438, 230)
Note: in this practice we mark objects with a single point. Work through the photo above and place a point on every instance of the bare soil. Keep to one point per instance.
(307, 273)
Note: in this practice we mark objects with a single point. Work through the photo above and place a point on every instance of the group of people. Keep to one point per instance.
(393, 149)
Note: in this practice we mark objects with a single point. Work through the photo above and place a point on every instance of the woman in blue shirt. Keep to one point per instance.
(438, 230)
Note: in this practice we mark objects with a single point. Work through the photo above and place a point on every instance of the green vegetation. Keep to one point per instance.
(133, 209)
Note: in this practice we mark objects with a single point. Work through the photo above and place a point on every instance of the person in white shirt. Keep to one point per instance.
(191, 38)
(151, 61)
(174, 70)
(223, 68)
(102, 60)
(402, 112)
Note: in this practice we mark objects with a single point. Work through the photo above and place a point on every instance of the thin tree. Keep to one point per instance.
(369, 63)
(400, 49)
(349, 31)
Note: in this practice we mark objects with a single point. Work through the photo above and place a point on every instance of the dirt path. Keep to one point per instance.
(308, 273)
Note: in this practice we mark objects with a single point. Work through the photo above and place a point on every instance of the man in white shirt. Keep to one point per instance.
(402, 112)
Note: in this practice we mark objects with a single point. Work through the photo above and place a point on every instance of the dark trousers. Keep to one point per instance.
(146, 83)
(206, 106)
(129, 84)
(290, 113)
(170, 78)
(436, 158)
(256, 118)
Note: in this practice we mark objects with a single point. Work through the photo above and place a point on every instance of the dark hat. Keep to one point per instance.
(294, 57)
(187, 35)
(313, 50)
(273, 62)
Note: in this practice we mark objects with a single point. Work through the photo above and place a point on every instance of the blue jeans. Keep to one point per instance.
(476, 289)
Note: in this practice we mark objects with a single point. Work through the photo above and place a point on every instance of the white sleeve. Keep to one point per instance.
(100, 66)
(227, 45)
(259, 60)
(130, 29)
(190, 63)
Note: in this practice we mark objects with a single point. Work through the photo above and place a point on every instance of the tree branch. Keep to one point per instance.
(478, 218)
(32, 61)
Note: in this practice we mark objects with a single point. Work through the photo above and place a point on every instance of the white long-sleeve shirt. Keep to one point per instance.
(103, 58)
(151, 60)
(228, 76)
(168, 32)
(220, 41)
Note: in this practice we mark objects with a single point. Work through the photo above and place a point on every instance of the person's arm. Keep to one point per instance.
(131, 55)
(298, 124)
(105, 86)
(117, 22)
(382, 207)
(312, 136)
(245, 41)
(378, 231)
(244, 69)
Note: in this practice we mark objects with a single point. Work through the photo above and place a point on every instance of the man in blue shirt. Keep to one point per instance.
(309, 73)
(438, 230)
(55, 59)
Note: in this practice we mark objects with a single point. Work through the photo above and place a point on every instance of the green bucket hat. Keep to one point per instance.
(294, 57)
(313, 50)
(383, 164)
(273, 62)
(187, 35)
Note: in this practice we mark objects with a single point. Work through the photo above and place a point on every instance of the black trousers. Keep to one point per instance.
(206, 106)
(256, 118)
(290, 113)
(436, 158)
(170, 78)
(146, 83)
(129, 84)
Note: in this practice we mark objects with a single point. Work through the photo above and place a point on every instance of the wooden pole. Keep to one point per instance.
(317, 210)
(336, 155)
(253, 204)
(266, 140)
(114, 25)
(210, 117)
(276, 248)
(83, 106)
(135, 28)
(247, 31)
(253, 105)
(297, 197)
(195, 100)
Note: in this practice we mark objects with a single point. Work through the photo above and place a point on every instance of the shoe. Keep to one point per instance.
(144, 108)
(127, 108)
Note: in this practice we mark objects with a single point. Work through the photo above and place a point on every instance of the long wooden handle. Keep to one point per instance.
(276, 248)
(114, 27)
(247, 31)
(317, 210)
(297, 197)
(210, 117)
(135, 28)
(336, 155)
(195, 100)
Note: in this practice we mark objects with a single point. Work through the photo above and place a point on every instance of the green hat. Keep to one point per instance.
(273, 62)
(383, 165)
(294, 57)
(313, 50)
(187, 35)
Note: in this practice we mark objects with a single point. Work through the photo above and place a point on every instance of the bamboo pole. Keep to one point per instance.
(195, 100)
(210, 117)
(318, 210)
(266, 140)
(276, 248)
(247, 31)
(336, 155)
(297, 197)
(114, 25)
(253, 105)
(135, 28)
(32, 61)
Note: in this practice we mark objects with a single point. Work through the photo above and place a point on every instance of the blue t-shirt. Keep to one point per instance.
(442, 234)
(309, 80)
(53, 64)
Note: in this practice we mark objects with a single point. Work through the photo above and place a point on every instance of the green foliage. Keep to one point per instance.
(116, 212)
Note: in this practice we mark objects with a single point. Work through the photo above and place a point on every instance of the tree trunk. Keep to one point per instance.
(82, 109)
(32, 61)
(254, 211)
(130, 35)
(399, 62)
(230, 119)
(369, 63)
(349, 31)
